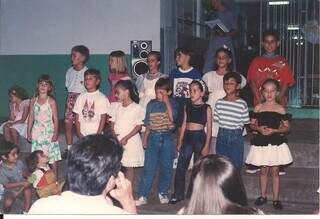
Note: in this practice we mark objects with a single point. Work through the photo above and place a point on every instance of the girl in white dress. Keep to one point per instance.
(19, 111)
(127, 118)
(214, 81)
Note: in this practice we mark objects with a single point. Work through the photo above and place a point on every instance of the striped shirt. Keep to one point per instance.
(231, 114)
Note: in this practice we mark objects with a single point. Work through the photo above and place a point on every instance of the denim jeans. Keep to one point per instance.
(193, 142)
(230, 144)
(160, 152)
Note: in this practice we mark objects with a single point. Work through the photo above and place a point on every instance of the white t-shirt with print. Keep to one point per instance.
(90, 106)
(75, 80)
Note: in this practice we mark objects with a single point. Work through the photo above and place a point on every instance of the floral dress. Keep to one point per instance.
(43, 130)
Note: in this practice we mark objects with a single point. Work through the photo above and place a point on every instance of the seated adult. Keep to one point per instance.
(93, 175)
(217, 189)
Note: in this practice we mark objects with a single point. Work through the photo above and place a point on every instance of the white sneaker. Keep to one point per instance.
(141, 201)
(163, 199)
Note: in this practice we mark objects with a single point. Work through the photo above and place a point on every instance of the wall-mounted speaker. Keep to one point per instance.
(139, 53)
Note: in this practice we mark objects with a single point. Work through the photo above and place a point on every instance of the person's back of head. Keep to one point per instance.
(217, 184)
(91, 163)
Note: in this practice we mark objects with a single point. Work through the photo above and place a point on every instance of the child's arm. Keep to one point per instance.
(183, 128)
(284, 126)
(255, 91)
(78, 126)
(15, 185)
(205, 150)
(112, 129)
(145, 137)
(136, 130)
(25, 114)
(102, 123)
(30, 120)
(168, 106)
(55, 119)
(12, 109)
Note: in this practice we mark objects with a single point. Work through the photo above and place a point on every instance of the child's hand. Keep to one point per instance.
(145, 143)
(269, 131)
(205, 151)
(124, 141)
(25, 184)
(29, 137)
(179, 146)
(54, 138)
(262, 130)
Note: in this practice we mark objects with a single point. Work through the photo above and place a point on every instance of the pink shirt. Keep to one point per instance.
(113, 78)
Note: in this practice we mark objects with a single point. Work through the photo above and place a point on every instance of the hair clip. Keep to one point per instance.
(226, 47)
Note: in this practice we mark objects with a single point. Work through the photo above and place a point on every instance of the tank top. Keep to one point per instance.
(196, 113)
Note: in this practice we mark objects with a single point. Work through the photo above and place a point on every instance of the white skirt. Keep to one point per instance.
(21, 128)
(271, 155)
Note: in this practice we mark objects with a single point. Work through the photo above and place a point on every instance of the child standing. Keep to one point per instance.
(214, 81)
(231, 114)
(91, 106)
(127, 120)
(19, 111)
(13, 177)
(118, 70)
(145, 83)
(75, 86)
(43, 122)
(159, 121)
(42, 177)
(182, 76)
(193, 140)
(269, 65)
(268, 145)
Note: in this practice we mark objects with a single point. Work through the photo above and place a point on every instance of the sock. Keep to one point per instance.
(69, 146)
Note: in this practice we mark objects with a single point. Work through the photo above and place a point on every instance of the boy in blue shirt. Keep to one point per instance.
(159, 122)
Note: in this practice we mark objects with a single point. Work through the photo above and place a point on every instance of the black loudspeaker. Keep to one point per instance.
(139, 53)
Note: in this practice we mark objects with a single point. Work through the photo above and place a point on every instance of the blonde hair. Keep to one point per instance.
(118, 63)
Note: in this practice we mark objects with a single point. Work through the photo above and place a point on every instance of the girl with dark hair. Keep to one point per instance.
(269, 149)
(217, 189)
(127, 119)
(193, 140)
(214, 80)
(19, 111)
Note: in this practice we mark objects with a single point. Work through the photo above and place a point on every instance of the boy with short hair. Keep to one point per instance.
(75, 86)
(269, 65)
(159, 121)
(231, 113)
(91, 106)
(13, 177)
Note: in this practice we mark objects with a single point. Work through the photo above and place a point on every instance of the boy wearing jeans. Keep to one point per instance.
(231, 113)
(159, 121)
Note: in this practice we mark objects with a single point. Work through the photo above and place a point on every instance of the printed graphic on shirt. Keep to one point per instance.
(181, 87)
(88, 111)
(272, 72)
(160, 122)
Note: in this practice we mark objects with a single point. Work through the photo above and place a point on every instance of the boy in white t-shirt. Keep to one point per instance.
(91, 107)
(75, 86)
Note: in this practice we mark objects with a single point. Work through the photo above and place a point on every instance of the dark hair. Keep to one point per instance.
(270, 32)
(6, 147)
(46, 78)
(19, 92)
(83, 50)
(128, 85)
(164, 83)
(94, 72)
(91, 162)
(233, 75)
(32, 160)
(229, 53)
(203, 87)
(156, 54)
(216, 185)
(187, 51)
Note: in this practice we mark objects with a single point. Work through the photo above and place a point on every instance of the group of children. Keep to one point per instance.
(205, 112)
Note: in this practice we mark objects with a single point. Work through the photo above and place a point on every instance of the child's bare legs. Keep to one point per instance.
(275, 182)
(54, 168)
(129, 174)
(7, 133)
(264, 172)
(8, 201)
(27, 199)
(14, 136)
(68, 131)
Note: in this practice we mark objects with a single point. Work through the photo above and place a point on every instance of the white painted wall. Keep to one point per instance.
(54, 26)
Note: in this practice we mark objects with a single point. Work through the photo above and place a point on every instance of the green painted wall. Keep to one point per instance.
(24, 70)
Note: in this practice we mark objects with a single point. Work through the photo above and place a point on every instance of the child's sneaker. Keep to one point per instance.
(141, 201)
(163, 199)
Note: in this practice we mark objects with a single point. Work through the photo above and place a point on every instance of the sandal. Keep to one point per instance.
(261, 200)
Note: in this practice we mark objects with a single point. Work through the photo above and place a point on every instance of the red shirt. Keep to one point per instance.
(262, 68)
